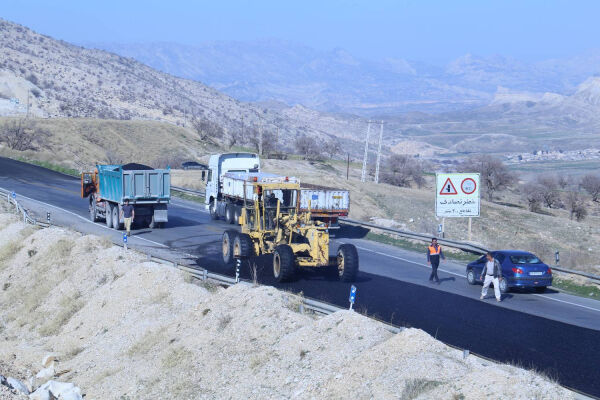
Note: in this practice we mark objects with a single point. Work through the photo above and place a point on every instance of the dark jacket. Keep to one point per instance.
(497, 269)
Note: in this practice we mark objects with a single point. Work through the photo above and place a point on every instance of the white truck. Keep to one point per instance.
(327, 204)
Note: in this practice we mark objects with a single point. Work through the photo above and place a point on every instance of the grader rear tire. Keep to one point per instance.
(243, 246)
(283, 263)
(347, 262)
(227, 246)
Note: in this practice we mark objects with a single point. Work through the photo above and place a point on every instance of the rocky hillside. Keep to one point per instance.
(50, 78)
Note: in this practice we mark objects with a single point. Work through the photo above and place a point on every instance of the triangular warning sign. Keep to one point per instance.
(448, 188)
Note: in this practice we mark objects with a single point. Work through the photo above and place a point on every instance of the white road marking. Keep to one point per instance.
(410, 261)
(87, 220)
(199, 208)
(568, 302)
(454, 273)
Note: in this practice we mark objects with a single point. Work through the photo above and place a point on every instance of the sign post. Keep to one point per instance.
(457, 195)
(125, 241)
(352, 296)
(48, 218)
(238, 264)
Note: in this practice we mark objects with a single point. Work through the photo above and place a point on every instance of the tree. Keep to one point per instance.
(576, 206)
(22, 134)
(591, 184)
(268, 139)
(206, 128)
(333, 147)
(403, 170)
(534, 197)
(493, 173)
(307, 147)
(548, 190)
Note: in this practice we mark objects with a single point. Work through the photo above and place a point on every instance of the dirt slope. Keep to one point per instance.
(125, 328)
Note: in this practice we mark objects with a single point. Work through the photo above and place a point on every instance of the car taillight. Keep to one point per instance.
(517, 270)
(549, 271)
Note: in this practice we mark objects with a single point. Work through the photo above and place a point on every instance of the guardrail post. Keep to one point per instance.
(204, 275)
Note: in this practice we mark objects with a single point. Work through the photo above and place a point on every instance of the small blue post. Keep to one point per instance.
(13, 195)
(125, 240)
(352, 296)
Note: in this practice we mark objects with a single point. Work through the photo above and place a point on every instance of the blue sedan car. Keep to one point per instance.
(519, 269)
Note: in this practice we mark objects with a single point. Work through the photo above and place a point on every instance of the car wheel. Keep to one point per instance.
(504, 285)
(471, 277)
(540, 289)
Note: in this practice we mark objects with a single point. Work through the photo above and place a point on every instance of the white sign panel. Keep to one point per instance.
(457, 195)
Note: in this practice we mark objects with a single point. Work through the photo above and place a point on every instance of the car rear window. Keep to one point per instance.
(525, 259)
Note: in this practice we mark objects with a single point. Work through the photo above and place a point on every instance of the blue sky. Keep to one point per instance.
(432, 31)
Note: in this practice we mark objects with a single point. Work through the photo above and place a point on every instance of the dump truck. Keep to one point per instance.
(146, 188)
(272, 222)
(328, 204)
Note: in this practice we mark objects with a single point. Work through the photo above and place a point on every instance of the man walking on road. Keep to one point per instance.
(127, 213)
(492, 270)
(434, 252)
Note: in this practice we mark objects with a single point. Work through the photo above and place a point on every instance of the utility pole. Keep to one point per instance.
(348, 167)
(363, 176)
(260, 139)
(379, 153)
(28, 95)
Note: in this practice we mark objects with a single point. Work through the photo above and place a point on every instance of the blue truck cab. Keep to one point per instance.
(146, 188)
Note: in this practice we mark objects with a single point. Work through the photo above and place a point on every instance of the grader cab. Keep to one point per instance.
(271, 223)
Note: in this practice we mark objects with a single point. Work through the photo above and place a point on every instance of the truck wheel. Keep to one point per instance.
(236, 214)
(243, 246)
(229, 213)
(283, 263)
(227, 246)
(212, 208)
(347, 262)
(115, 217)
(93, 214)
(108, 215)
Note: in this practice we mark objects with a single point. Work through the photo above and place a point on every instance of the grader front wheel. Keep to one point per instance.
(227, 246)
(347, 262)
(283, 263)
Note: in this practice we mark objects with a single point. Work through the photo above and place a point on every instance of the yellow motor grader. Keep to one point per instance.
(271, 223)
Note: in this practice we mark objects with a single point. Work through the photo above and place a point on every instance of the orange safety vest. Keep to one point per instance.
(433, 251)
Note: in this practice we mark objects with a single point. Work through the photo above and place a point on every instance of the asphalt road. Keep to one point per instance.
(555, 333)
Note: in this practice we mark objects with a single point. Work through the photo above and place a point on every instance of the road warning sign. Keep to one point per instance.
(457, 195)
(448, 188)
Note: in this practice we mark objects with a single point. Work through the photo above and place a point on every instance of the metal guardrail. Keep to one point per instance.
(19, 208)
(200, 193)
(198, 273)
(465, 246)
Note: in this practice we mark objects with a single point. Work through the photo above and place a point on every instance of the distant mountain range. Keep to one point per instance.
(337, 81)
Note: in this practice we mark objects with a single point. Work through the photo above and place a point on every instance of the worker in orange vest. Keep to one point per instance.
(434, 253)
